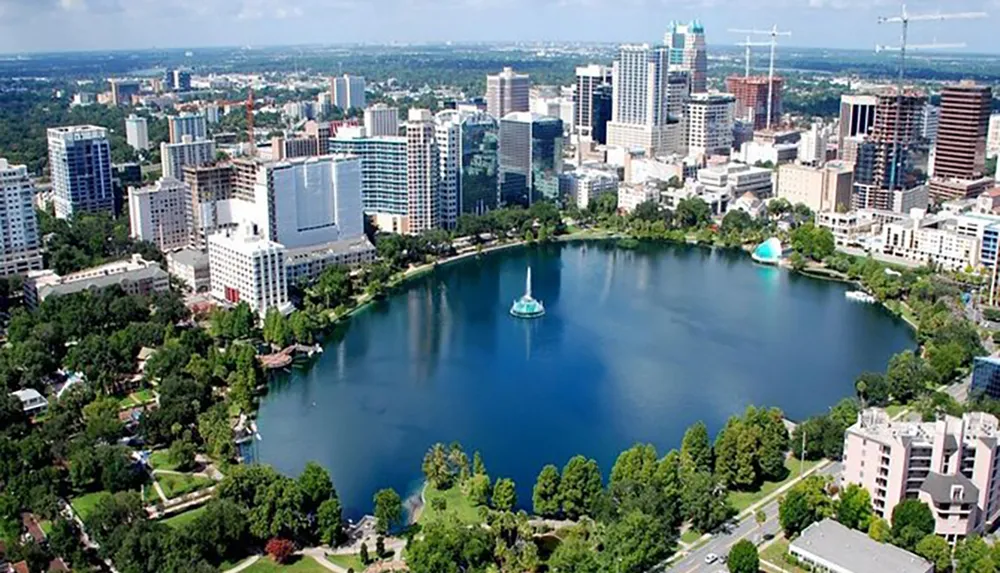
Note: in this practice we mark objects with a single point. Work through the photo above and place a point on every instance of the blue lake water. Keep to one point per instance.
(635, 346)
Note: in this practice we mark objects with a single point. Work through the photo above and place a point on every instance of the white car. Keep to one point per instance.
(711, 558)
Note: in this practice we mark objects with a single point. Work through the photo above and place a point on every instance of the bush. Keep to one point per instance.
(279, 549)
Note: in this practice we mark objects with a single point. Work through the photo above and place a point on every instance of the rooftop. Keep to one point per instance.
(855, 551)
(950, 488)
(189, 257)
(27, 395)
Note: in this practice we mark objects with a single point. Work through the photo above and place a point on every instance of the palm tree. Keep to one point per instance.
(760, 517)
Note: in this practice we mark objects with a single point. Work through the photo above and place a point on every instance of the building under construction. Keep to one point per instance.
(751, 99)
(896, 127)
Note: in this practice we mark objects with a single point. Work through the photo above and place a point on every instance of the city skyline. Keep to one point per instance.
(66, 25)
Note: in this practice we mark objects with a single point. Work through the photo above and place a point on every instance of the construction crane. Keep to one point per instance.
(249, 105)
(748, 44)
(774, 33)
(904, 20)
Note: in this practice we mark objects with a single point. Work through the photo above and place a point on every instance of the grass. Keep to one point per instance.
(903, 310)
(456, 503)
(143, 396)
(347, 561)
(690, 536)
(894, 409)
(744, 499)
(182, 519)
(46, 526)
(301, 565)
(775, 553)
(176, 485)
(84, 504)
(160, 460)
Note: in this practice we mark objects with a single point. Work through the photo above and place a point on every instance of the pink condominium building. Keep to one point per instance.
(950, 464)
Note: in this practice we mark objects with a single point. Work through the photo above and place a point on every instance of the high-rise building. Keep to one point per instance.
(812, 145)
(192, 124)
(688, 53)
(895, 121)
(530, 158)
(80, 164)
(187, 151)
(710, 124)
(423, 175)
(467, 147)
(20, 246)
(136, 132)
(122, 92)
(321, 132)
(381, 119)
(647, 101)
(448, 136)
(993, 137)
(246, 267)
(751, 99)
(960, 148)
(603, 100)
(857, 117)
(507, 92)
(292, 147)
(211, 188)
(588, 80)
(948, 464)
(348, 91)
(929, 122)
(181, 80)
(383, 178)
(823, 188)
(161, 214)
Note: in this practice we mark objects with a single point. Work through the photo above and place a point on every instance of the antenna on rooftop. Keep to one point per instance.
(904, 20)
(774, 33)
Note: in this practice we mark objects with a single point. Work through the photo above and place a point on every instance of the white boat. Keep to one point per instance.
(860, 296)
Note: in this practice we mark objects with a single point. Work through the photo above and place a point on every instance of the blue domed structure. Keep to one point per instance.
(768, 252)
(526, 306)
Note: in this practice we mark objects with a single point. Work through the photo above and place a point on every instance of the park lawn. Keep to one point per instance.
(456, 503)
(301, 565)
(347, 561)
(690, 536)
(179, 484)
(84, 504)
(744, 499)
(143, 396)
(775, 553)
(160, 460)
(181, 519)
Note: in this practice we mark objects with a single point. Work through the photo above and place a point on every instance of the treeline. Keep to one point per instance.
(89, 240)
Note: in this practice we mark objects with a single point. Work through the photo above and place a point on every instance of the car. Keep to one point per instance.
(711, 558)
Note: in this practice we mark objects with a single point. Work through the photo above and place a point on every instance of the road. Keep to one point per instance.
(720, 543)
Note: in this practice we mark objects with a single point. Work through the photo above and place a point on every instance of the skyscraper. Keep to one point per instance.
(192, 124)
(423, 176)
(468, 146)
(603, 99)
(688, 53)
(857, 116)
(710, 124)
(645, 101)
(80, 164)
(122, 92)
(137, 132)
(381, 119)
(960, 148)
(588, 80)
(895, 121)
(161, 214)
(20, 246)
(187, 151)
(348, 91)
(751, 99)
(507, 92)
(530, 158)
(181, 80)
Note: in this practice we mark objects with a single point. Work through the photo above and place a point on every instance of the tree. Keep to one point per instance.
(872, 389)
(746, 456)
(276, 330)
(580, 487)
(388, 510)
(279, 549)
(574, 555)
(545, 496)
(973, 555)
(726, 450)
(479, 489)
(692, 212)
(64, 539)
(436, 468)
(102, 423)
(704, 503)
(794, 513)
(363, 554)
(696, 453)
(182, 454)
(908, 376)
(743, 558)
(504, 495)
(636, 543)
(854, 509)
(936, 550)
(316, 486)
(879, 530)
(912, 520)
(478, 467)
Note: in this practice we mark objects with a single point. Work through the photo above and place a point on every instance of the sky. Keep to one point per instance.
(66, 25)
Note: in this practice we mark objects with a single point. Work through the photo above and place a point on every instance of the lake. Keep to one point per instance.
(635, 346)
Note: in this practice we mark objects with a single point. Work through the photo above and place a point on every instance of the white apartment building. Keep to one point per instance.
(80, 164)
(710, 124)
(923, 239)
(561, 107)
(631, 196)
(826, 188)
(161, 214)
(993, 137)
(20, 246)
(929, 119)
(448, 138)
(190, 266)
(348, 91)
(588, 79)
(848, 229)
(585, 185)
(246, 267)
(735, 179)
(950, 464)
(812, 145)
(423, 173)
(137, 132)
(192, 124)
(754, 152)
(643, 96)
(187, 151)
(381, 119)
(905, 200)
(507, 92)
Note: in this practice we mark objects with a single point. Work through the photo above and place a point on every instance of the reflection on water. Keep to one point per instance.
(635, 345)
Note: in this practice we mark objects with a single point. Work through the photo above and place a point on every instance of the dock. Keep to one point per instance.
(285, 357)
